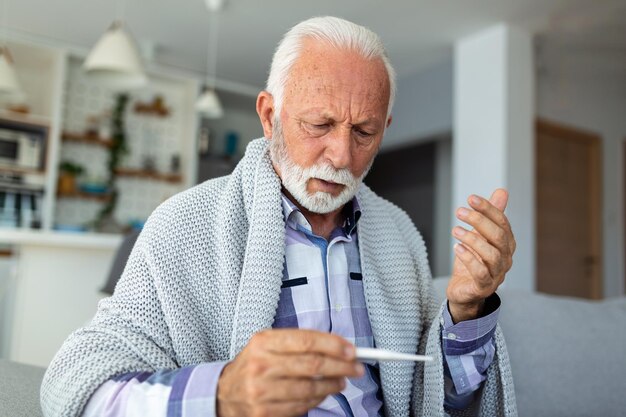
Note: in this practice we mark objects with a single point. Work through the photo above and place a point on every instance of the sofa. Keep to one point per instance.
(568, 358)
(568, 355)
(19, 389)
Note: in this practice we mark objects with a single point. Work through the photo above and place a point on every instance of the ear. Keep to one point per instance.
(265, 110)
(389, 120)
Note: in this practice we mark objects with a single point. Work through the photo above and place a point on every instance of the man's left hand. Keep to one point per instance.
(483, 256)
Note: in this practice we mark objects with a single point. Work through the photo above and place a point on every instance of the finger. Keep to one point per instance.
(499, 198)
(299, 390)
(314, 365)
(489, 210)
(481, 249)
(303, 341)
(493, 233)
(479, 271)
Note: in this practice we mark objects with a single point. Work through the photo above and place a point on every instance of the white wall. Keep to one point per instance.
(493, 132)
(583, 89)
(423, 106)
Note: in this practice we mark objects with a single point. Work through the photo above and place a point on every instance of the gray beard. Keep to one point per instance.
(295, 178)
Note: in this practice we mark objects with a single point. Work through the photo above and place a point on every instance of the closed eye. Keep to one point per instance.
(363, 133)
(317, 128)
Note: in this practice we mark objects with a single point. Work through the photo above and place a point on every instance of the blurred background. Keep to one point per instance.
(110, 107)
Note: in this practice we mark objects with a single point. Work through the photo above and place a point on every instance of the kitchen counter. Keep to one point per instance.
(60, 239)
(54, 288)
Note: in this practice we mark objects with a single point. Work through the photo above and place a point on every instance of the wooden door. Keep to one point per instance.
(569, 232)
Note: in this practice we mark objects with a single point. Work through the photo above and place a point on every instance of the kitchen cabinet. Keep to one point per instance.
(52, 287)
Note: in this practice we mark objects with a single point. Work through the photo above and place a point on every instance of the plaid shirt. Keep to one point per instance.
(322, 290)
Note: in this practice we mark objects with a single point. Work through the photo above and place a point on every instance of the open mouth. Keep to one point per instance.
(328, 186)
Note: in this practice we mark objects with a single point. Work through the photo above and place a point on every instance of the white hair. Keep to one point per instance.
(337, 32)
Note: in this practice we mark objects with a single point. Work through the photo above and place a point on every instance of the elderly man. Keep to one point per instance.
(246, 295)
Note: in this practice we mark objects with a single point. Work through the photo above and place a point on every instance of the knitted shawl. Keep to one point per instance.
(205, 275)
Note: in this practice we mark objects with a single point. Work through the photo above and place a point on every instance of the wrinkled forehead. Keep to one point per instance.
(319, 57)
(324, 70)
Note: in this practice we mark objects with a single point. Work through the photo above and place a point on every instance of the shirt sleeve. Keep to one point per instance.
(468, 349)
(184, 392)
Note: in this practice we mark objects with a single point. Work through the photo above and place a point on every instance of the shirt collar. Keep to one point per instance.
(294, 217)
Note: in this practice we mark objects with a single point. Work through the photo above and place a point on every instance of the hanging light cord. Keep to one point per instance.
(120, 10)
(212, 52)
(5, 29)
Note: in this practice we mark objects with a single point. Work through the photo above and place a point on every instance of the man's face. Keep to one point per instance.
(334, 114)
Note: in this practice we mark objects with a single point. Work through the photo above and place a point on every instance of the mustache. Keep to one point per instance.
(328, 173)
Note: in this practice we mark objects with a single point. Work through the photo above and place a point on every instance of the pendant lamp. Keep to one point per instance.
(115, 60)
(208, 103)
(8, 79)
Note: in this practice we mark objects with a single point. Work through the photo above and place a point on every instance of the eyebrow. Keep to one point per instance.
(326, 116)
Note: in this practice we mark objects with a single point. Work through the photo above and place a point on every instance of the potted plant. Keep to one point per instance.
(105, 221)
(68, 171)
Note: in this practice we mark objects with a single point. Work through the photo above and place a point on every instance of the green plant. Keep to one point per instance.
(71, 168)
(117, 150)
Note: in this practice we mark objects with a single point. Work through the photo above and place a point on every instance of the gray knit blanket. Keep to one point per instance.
(205, 275)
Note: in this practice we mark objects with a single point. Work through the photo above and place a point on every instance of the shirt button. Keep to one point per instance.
(451, 336)
(338, 308)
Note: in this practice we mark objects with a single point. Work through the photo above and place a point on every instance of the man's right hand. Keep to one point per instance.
(285, 372)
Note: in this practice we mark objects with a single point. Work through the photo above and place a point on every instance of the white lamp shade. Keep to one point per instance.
(115, 61)
(8, 78)
(209, 105)
(214, 5)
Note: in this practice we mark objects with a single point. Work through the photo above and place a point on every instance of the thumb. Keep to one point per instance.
(499, 198)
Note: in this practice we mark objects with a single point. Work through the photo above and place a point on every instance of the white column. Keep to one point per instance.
(493, 138)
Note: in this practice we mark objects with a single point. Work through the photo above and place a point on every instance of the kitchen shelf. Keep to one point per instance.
(28, 118)
(16, 170)
(101, 198)
(155, 108)
(153, 175)
(88, 139)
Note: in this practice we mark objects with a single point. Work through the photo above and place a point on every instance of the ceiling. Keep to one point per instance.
(417, 33)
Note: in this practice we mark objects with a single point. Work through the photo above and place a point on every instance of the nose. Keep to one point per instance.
(339, 148)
